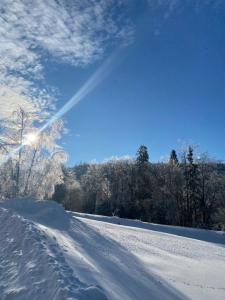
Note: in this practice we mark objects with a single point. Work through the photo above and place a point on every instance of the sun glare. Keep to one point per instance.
(30, 139)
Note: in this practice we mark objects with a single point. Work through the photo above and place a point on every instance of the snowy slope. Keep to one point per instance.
(32, 264)
(47, 253)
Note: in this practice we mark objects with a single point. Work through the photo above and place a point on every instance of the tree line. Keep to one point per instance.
(189, 191)
(185, 191)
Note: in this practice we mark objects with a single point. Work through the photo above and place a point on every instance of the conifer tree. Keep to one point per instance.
(173, 158)
(142, 155)
(191, 188)
(143, 184)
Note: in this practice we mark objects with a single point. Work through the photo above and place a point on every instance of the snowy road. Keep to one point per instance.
(142, 262)
(94, 257)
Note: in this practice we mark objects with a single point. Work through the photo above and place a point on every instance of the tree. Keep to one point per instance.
(191, 188)
(142, 155)
(31, 161)
(143, 190)
(173, 158)
(212, 191)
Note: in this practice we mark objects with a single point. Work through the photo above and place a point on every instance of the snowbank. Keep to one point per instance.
(32, 265)
(49, 213)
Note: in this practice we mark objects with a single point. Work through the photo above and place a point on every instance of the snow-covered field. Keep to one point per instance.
(47, 253)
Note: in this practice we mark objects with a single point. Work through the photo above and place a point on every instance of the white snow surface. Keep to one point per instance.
(47, 253)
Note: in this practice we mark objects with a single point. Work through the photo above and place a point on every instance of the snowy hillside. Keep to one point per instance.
(47, 253)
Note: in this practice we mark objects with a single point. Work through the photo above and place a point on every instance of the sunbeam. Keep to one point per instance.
(100, 74)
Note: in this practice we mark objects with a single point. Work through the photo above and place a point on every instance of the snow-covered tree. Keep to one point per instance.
(30, 159)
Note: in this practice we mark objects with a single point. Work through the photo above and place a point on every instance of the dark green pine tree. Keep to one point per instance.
(173, 158)
(192, 188)
(143, 185)
(142, 155)
(190, 155)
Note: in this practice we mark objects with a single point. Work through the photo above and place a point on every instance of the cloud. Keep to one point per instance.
(160, 11)
(76, 32)
(118, 158)
(168, 7)
(16, 91)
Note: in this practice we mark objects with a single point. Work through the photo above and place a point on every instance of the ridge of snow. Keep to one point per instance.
(41, 211)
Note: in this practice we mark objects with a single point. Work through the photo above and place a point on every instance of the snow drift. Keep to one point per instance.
(49, 254)
(32, 265)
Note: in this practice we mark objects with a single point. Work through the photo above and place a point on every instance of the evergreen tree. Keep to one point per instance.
(190, 155)
(143, 189)
(191, 188)
(173, 158)
(142, 155)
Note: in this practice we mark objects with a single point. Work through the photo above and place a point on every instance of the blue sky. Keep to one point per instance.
(170, 86)
(166, 85)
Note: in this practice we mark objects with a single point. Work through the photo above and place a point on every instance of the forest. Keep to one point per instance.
(184, 191)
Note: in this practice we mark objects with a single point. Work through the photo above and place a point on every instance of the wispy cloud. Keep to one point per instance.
(168, 7)
(118, 158)
(76, 32)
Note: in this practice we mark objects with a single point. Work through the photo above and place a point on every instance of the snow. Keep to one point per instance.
(47, 253)
(32, 265)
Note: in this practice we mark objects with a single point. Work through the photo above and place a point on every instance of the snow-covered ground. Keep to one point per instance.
(47, 253)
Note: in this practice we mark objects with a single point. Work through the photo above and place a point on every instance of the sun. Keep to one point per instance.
(30, 139)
